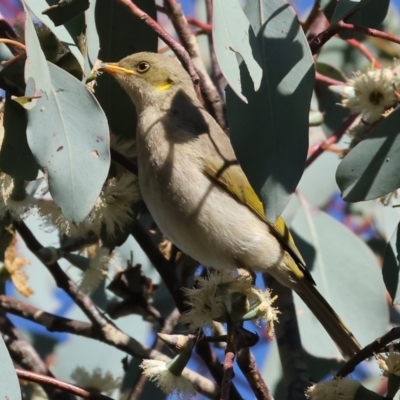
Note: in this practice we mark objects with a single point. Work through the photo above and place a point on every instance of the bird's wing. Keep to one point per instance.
(232, 179)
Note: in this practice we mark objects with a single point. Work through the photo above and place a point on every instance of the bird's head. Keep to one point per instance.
(150, 78)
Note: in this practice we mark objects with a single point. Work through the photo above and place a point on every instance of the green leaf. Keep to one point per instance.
(9, 383)
(115, 25)
(16, 158)
(67, 132)
(65, 10)
(346, 7)
(233, 36)
(391, 267)
(92, 38)
(12, 77)
(371, 169)
(270, 133)
(65, 36)
(347, 275)
(370, 15)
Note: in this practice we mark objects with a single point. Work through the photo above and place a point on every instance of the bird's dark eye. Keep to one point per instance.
(143, 66)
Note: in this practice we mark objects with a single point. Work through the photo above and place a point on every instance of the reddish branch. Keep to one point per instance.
(368, 351)
(13, 42)
(216, 70)
(364, 50)
(228, 375)
(247, 365)
(175, 46)
(312, 16)
(61, 385)
(210, 94)
(192, 21)
(326, 79)
(318, 149)
(317, 42)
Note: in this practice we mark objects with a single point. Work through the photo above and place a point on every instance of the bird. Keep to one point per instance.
(197, 193)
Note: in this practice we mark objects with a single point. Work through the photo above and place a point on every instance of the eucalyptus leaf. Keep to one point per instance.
(346, 7)
(9, 383)
(92, 38)
(371, 169)
(233, 36)
(61, 32)
(270, 133)
(347, 275)
(120, 34)
(371, 14)
(391, 267)
(16, 158)
(64, 11)
(67, 132)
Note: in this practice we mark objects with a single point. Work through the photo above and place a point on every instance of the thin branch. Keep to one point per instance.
(24, 355)
(228, 375)
(105, 330)
(164, 268)
(109, 335)
(123, 161)
(204, 350)
(161, 264)
(312, 16)
(247, 365)
(170, 323)
(321, 147)
(61, 385)
(317, 42)
(61, 278)
(368, 351)
(13, 42)
(369, 32)
(365, 51)
(216, 70)
(175, 46)
(206, 27)
(210, 94)
(296, 377)
(328, 80)
(53, 323)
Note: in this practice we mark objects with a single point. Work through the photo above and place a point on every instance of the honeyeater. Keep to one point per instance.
(197, 192)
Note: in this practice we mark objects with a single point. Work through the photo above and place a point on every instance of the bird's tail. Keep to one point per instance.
(337, 330)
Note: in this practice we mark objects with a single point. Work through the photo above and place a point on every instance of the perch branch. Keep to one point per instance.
(210, 94)
(61, 385)
(109, 335)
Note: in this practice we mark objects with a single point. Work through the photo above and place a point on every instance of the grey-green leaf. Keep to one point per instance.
(233, 36)
(371, 169)
(9, 384)
(114, 25)
(62, 33)
(347, 275)
(270, 133)
(391, 267)
(16, 158)
(345, 8)
(64, 11)
(67, 132)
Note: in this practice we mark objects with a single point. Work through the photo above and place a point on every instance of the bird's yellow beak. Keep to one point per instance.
(114, 68)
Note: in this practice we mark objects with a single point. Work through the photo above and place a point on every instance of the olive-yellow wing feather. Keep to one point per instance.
(232, 179)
